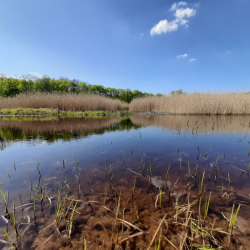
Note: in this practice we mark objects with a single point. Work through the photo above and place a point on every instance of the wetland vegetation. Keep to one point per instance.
(140, 182)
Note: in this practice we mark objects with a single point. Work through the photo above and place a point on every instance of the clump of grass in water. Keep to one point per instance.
(6, 201)
(233, 219)
(61, 214)
(207, 203)
(150, 172)
(8, 216)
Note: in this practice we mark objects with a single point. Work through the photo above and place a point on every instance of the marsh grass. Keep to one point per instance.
(195, 104)
(63, 102)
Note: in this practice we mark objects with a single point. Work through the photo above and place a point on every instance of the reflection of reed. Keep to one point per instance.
(67, 125)
(203, 124)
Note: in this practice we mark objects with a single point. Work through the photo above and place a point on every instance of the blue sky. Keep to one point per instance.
(138, 44)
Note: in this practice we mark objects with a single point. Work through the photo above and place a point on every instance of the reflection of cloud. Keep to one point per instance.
(158, 182)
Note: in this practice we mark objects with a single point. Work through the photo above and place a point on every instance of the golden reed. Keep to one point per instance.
(195, 104)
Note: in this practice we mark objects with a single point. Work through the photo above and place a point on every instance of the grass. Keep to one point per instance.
(76, 104)
(233, 219)
(62, 102)
(55, 112)
(6, 201)
(195, 104)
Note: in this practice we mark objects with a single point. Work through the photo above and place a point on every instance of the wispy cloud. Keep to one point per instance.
(176, 5)
(191, 60)
(228, 51)
(35, 74)
(141, 34)
(181, 14)
(184, 55)
(196, 5)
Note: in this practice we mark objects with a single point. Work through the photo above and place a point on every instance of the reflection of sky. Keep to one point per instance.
(156, 146)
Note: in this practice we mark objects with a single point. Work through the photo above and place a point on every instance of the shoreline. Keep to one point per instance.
(28, 112)
(45, 112)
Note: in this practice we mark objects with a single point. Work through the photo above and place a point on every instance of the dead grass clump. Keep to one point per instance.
(64, 102)
(196, 103)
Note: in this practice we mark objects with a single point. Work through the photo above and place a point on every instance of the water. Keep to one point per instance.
(108, 156)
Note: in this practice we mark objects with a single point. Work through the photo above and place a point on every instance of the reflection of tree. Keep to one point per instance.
(64, 129)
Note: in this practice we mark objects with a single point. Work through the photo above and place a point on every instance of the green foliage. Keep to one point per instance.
(177, 92)
(29, 84)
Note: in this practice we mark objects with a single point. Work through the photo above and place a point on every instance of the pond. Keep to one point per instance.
(136, 182)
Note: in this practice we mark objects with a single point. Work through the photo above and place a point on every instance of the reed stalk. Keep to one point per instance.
(6, 201)
(160, 196)
(233, 219)
(207, 203)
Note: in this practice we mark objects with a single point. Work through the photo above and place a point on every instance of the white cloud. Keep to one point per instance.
(176, 5)
(182, 21)
(35, 74)
(193, 59)
(184, 55)
(163, 27)
(3, 75)
(182, 13)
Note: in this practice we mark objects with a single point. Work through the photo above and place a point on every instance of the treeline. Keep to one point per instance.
(30, 84)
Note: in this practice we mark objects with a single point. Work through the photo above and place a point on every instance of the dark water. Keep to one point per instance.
(109, 154)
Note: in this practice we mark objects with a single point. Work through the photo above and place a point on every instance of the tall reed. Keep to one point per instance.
(64, 102)
(196, 103)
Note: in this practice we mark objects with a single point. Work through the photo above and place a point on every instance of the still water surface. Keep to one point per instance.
(64, 148)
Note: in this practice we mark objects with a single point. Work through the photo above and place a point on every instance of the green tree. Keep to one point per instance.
(9, 87)
(177, 92)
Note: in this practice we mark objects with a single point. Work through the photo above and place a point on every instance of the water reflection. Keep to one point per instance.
(97, 159)
(197, 123)
(53, 129)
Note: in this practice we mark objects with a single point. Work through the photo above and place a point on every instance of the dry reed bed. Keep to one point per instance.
(63, 125)
(202, 124)
(64, 102)
(197, 103)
